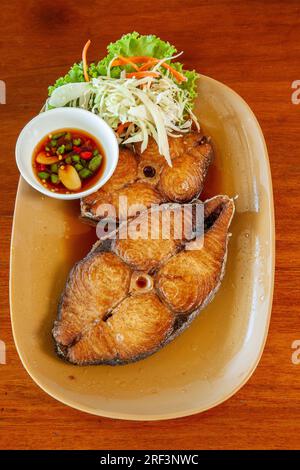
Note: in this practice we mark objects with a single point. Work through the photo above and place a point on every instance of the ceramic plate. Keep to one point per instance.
(212, 359)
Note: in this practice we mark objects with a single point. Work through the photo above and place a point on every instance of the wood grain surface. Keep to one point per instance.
(252, 46)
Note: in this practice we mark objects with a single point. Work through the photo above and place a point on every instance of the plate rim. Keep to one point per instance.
(194, 410)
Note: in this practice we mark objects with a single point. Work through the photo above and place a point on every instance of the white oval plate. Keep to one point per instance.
(212, 359)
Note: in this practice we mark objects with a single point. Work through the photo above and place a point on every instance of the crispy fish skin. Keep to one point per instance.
(185, 179)
(185, 281)
(121, 339)
(150, 249)
(178, 145)
(191, 155)
(104, 318)
(124, 174)
(93, 288)
(147, 195)
(182, 181)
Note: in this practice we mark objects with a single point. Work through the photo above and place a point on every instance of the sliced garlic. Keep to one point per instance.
(44, 160)
(69, 177)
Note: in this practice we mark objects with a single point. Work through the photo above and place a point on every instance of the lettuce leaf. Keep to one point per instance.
(131, 44)
(191, 84)
(134, 44)
(74, 75)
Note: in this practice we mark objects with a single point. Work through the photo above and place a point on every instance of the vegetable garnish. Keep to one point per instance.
(136, 89)
(122, 127)
(133, 60)
(84, 61)
(68, 160)
(179, 76)
(140, 74)
(126, 60)
(148, 63)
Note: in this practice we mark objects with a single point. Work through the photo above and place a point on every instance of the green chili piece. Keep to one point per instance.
(77, 142)
(68, 160)
(95, 163)
(85, 173)
(61, 150)
(76, 158)
(58, 135)
(54, 178)
(54, 168)
(78, 167)
(43, 175)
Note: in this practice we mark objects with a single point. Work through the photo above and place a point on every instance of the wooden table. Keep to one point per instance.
(252, 46)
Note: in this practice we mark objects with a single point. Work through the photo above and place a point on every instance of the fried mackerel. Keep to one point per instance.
(146, 178)
(130, 297)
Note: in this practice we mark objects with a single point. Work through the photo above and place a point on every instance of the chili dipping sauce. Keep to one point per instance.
(68, 161)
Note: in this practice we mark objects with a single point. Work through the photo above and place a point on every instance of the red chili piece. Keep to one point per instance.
(86, 155)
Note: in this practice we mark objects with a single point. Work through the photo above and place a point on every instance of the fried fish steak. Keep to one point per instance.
(130, 297)
(145, 178)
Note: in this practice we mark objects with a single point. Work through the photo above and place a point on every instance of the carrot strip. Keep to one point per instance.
(133, 59)
(147, 65)
(122, 127)
(146, 61)
(179, 76)
(84, 62)
(142, 74)
(127, 60)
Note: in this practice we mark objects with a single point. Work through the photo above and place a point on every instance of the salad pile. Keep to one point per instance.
(136, 89)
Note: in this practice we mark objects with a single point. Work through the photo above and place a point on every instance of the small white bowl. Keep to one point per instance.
(65, 118)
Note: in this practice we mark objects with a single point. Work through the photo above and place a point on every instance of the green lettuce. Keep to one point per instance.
(74, 75)
(132, 44)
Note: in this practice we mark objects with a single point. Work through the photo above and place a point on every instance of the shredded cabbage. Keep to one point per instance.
(155, 107)
(151, 107)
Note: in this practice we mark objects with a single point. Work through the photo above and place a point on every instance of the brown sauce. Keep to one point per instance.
(64, 148)
(213, 183)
